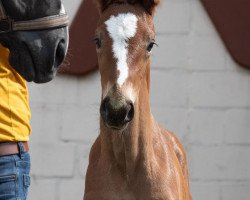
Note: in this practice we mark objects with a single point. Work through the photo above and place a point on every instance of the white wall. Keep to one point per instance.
(197, 91)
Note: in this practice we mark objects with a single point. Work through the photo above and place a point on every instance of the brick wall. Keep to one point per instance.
(197, 91)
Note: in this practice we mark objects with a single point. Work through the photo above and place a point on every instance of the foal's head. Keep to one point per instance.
(124, 40)
(36, 55)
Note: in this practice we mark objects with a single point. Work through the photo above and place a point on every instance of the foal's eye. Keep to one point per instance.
(98, 43)
(150, 46)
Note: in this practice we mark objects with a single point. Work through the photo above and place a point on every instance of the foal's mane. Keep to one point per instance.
(148, 5)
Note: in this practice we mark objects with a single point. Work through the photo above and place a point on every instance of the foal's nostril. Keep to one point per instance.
(104, 108)
(60, 52)
(114, 115)
(130, 112)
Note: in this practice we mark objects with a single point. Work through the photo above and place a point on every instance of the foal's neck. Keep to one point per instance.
(133, 147)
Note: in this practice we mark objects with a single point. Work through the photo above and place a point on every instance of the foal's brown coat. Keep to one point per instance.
(142, 161)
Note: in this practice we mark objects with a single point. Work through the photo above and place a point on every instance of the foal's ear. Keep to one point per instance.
(103, 4)
(150, 5)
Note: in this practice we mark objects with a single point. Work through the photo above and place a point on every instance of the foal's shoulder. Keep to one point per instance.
(175, 143)
(173, 139)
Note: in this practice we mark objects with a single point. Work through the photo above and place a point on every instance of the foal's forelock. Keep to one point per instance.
(121, 29)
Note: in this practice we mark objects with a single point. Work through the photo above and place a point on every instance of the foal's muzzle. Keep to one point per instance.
(116, 114)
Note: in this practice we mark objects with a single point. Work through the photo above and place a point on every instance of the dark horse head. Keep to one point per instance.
(35, 54)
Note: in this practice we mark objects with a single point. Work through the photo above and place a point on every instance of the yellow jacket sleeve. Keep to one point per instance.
(14, 104)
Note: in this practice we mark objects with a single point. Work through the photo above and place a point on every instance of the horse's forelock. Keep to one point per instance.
(148, 5)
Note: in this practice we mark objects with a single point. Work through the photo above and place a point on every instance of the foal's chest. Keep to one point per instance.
(112, 186)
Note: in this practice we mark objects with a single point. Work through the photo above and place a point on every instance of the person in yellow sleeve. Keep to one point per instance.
(25, 55)
(14, 129)
(14, 105)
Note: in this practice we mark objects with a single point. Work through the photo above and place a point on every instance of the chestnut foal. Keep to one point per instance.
(133, 158)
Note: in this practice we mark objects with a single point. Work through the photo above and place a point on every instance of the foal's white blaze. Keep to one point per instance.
(121, 28)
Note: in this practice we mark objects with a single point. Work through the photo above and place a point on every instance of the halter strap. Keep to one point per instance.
(41, 23)
(9, 25)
